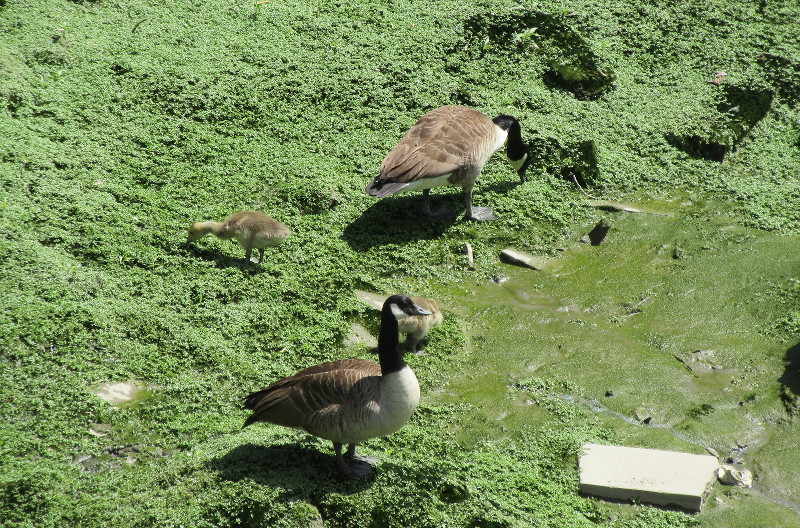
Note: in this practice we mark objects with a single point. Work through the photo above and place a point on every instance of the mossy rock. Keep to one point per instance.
(738, 110)
(565, 159)
(784, 74)
(569, 62)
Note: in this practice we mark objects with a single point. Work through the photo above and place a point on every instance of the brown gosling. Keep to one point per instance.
(252, 229)
(418, 327)
(449, 146)
(350, 400)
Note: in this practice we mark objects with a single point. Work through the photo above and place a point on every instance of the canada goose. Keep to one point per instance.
(251, 229)
(450, 145)
(350, 400)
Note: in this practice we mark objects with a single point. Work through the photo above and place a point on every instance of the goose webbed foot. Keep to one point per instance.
(441, 213)
(414, 345)
(481, 214)
(351, 454)
(353, 466)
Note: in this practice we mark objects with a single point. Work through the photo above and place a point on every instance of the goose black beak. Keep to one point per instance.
(421, 311)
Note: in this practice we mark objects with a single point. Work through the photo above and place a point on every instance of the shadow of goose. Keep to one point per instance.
(399, 220)
(304, 472)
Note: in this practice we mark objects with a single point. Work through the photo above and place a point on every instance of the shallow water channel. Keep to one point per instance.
(660, 333)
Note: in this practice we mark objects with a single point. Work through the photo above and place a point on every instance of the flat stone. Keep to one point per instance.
(116, 393)
(470, 258)
(733, 476)
(373, 299)
(648, 475)
(358, 334)
(512, 256)
(614, 206)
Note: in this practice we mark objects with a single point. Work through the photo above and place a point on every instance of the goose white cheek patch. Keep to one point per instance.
(397, 312)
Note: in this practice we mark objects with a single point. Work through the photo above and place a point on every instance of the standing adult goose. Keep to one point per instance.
(350, 400)
(252, 229)
(450, 146)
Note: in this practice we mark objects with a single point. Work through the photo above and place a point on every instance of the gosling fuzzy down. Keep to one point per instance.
(350, 400)
(252, 229)
(449, 146)
(417, 327)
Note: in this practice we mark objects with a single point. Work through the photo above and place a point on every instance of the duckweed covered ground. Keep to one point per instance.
(123, 122)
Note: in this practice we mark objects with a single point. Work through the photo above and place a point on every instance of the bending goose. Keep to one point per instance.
(450, 146)
(418, 326)
(252, 229)
(350, 400)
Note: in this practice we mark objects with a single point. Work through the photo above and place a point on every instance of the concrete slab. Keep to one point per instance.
(649, 475)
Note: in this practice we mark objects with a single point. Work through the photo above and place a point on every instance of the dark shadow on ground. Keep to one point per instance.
(224, 260)
(399, 219)
(302, 471)
(790, 380)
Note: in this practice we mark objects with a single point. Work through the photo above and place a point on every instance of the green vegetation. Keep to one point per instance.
(123, 122)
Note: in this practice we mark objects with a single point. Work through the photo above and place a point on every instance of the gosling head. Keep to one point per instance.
(516, 150)
(196, 231)
(402, 307)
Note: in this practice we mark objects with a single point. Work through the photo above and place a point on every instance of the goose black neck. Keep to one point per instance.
(515, 148)
(389, 353)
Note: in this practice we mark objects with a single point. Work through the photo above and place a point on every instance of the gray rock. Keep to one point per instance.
(733, 476)
(643, 415)
(470, 261)
(512, 256)
(358, 335)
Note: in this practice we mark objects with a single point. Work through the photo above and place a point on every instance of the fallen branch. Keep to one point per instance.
(581, 189)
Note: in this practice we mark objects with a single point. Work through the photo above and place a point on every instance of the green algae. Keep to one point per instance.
(608, 334)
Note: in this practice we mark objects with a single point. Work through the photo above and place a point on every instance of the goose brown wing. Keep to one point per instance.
(294, 400)
(343, 364)
(441, 142)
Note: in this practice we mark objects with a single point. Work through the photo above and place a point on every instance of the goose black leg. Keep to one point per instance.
(342, 463)
(479, 214)
(442, 212)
